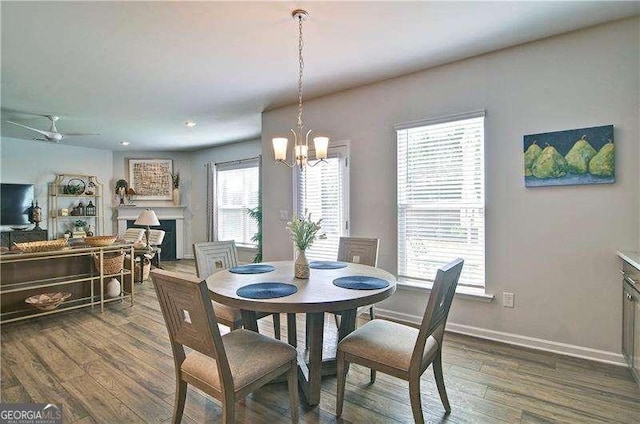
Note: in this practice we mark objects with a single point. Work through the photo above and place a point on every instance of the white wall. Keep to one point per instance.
(34, 162)
(199, 160)
(553, 247)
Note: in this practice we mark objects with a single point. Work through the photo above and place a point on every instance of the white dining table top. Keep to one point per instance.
(316, 294)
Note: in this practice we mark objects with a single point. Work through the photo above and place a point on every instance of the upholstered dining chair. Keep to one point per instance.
(402, 351)
(215, 256)
(227, 367)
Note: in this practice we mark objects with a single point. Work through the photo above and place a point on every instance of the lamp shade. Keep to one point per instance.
(322, 145)
(280, 148)
(147, 217)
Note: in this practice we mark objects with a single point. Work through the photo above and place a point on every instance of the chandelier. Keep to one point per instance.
(300, 140)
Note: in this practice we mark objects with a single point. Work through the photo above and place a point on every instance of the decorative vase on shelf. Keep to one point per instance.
(113, 288)
(176, 196)
(302, 266)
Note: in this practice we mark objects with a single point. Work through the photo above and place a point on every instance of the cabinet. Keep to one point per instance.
(72, 270)
(9, 237)
(65, 193)
(631, 316)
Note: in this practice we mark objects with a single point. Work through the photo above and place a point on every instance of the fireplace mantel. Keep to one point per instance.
(126, 213)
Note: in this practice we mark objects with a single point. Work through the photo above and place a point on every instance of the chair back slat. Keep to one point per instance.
(214, 256)
(437, 311)
(358, 250)
(187, 311)
(132, 235)
(156, 237)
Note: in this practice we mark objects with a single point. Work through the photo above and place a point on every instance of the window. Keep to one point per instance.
(323, 191)
(237, 185)
(441, 197)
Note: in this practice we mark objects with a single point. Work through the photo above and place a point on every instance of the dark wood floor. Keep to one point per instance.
(116, 367)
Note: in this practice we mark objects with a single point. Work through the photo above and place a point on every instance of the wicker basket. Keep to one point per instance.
(99, 241)
(146, 269)
(42, 246)
(112, 263)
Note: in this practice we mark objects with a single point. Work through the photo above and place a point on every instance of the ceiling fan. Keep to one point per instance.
(53, 135)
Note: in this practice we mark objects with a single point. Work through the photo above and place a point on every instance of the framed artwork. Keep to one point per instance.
(151, 178)
(571, 157)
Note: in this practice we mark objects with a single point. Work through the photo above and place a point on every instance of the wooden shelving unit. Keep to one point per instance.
(74, 270)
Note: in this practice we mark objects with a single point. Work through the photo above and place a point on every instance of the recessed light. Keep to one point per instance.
(190, 123)
(125, 143)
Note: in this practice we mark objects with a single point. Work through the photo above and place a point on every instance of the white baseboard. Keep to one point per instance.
(188, 256)
(516, 339)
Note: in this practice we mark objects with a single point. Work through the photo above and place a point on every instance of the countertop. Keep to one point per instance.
(632, 257)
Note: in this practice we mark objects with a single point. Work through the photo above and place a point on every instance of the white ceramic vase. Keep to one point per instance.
(113, 288)
(301, 266)
(176, 196)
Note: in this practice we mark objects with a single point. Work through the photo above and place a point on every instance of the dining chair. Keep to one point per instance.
(214, 256)
(402, 351)
(227, 367)
(359, 251)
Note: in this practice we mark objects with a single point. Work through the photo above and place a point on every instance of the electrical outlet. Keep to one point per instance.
(507, 299)
(284, 215)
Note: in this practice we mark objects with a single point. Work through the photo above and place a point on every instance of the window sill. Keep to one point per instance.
(467, 293)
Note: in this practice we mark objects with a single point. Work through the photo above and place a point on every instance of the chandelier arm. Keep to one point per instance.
(290, 165)
(316, 162)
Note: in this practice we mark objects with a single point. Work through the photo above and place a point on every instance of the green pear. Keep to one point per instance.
(579, 156)
(603, 163)
(530, 156)
(550, 164)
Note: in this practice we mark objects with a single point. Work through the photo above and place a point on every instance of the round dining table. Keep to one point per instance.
(314, 296)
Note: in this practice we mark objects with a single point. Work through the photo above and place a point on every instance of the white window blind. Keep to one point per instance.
(441, 197)
(237, 185)
(323, 191)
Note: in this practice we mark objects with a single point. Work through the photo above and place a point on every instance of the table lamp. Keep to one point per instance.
(147, 218)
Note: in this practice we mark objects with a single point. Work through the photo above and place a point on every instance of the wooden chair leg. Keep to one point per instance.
(276, 325)
(336, 317)
(181, 396)
(372, 313)
(373, 376)
(292, 382)
(437, 373)
(228, 410)
(416, 402)
(342, 377)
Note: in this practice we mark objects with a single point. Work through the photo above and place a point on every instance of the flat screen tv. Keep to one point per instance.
(15, 200)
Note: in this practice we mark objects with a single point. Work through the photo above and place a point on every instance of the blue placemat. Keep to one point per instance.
(327, 265)
(360, 282)
(252, 269)
(266, 290)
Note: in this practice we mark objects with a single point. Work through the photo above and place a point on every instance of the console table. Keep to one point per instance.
(70, 270)
(7, 238)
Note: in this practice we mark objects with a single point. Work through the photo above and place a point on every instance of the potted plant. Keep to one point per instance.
(303, 232)
(175, 182)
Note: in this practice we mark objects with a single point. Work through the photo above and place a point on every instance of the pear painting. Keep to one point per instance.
(603, 162)
(571, 157)
(579, 156)
(550, 164)
(530, 157)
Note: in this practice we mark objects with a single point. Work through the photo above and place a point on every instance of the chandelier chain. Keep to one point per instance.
(301, 68)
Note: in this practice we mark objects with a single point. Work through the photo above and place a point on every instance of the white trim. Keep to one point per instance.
(469, 293)
(604, 356)
(439, 120)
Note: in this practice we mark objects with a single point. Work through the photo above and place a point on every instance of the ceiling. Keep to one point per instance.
(136, 71)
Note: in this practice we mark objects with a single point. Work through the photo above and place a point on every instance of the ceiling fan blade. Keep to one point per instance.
(44, 139)
(45, 133)
(72, 134)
